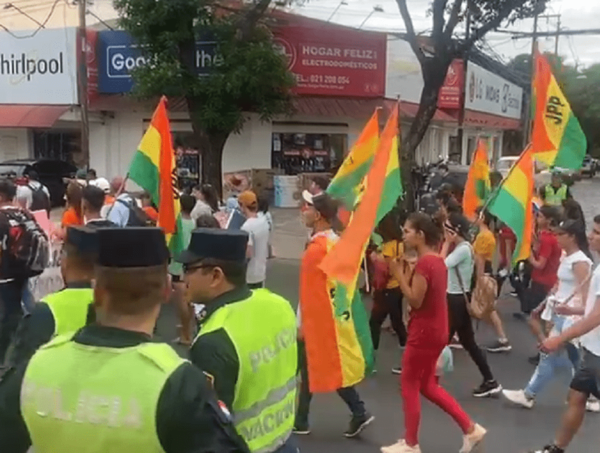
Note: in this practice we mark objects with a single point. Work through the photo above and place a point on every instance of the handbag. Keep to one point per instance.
(483, 298)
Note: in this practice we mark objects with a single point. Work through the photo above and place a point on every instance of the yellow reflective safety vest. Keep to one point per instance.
(79, 398)
(555, 198)
(263, 331)
(69, 308)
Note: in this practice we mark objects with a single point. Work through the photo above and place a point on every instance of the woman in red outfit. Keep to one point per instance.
(424, 288)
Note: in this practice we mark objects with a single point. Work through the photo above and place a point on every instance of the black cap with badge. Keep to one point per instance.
(213, 243)
(82, 239)
(132, 247)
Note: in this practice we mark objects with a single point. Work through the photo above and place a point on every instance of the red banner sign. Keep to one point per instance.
(330, 60)
(92, 64)
(449, 96)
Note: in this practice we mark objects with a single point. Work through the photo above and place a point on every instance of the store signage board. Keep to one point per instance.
(490, 93)
(343, 62)
(334, 61)
(449, 97)
(403, 73)
(32, 64)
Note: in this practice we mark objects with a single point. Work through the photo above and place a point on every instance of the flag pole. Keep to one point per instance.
(497, 189)
(119, 192)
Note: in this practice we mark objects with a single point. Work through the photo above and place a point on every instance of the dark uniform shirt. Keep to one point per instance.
(189, 418)
(37, 328)
(215, 353)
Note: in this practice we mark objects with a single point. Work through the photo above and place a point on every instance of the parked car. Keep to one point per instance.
(50, 171)
(543, 175)
(589, 166)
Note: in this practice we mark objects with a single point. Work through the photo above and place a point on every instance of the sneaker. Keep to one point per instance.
(520, 316)
(473, 439)
(397, 370)
(534, 360)
(357, 424)
(401, 447)
(549, 449)
(455, 343)
(592, 405)
(488, 388)
(513, 294)
(301, 429)
(519, 397)
(500, 346)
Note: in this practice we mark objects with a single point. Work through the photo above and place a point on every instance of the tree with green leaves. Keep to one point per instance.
(436, 52)
(251, 77)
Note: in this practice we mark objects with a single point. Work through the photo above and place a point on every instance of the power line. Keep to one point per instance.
(35, 32)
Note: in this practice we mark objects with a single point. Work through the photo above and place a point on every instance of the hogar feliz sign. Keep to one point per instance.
(335, 61)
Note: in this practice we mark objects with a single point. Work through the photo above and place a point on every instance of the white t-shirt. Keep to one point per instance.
(200, 208)
(460, 259)
(591, 340)
(567, 282)
(258, 230)
(24, 194)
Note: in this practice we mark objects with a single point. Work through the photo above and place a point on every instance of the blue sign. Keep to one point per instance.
(119, 55)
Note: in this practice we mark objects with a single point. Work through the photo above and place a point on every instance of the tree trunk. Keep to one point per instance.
(212, 144)
(433, 75)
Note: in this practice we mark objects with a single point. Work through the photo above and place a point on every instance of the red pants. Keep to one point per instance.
(418, 376)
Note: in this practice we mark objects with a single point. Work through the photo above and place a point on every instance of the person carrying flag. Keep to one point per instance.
(315, 299)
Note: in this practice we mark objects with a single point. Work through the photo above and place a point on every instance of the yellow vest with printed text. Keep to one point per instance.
(263, 331)
(555, 198)
(69, 308)
(88, 399)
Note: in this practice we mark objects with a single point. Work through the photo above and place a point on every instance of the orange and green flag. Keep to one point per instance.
(557, 138)
(380, 192)
(153, 169)
(345, 184)
(478, 185)
(512, 203)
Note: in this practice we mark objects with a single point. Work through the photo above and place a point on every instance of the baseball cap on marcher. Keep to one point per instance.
(323, 203)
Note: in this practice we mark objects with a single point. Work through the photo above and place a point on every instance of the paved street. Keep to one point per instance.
(511, 430)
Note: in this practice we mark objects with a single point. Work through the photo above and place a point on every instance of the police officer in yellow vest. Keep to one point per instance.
(247, 340)
(556, 192)
(67, 310)
(109, 387)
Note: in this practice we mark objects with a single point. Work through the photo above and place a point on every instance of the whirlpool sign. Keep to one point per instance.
(489, 93)
(29, 65)
(120, 55)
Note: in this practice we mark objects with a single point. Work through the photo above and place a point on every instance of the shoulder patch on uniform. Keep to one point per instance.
(225, 410)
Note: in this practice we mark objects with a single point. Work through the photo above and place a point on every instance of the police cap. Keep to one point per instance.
(132, 247)
(226, 245)
(83, 239)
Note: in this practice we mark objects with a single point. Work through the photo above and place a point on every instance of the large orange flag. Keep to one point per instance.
(382, 188)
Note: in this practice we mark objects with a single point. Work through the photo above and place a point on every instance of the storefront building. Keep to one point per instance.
(340, 76)
(39, 113)
(492, 105)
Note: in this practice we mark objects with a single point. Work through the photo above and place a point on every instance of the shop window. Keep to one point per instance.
(187, 159)
(307, 153)
(60, 145)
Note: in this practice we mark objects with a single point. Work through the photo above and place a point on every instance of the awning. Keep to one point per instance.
(488, 120)
(30, 116)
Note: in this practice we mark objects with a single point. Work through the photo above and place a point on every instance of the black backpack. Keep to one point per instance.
(39, 199)
(137, 216)
(27, 244)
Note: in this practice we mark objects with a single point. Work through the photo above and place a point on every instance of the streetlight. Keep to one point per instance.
(343, 2)
(376, 9)
(11, 6)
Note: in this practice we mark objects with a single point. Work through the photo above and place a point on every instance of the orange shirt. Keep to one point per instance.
(70, 218)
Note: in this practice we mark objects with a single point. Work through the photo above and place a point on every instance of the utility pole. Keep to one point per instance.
(528, 116)
(463, 97)
(82, 75)
(557, 36)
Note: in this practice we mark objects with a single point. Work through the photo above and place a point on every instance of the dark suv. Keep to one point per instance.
(50, 171)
